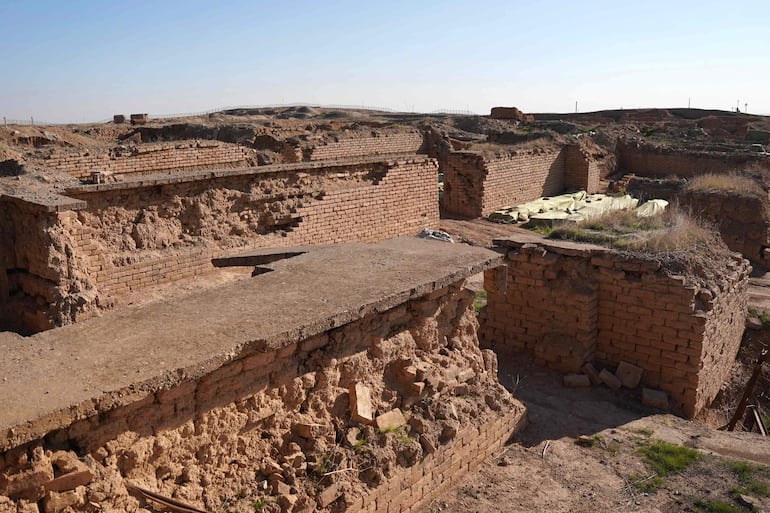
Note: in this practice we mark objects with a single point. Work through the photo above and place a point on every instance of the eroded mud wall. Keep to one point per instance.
(276, 426)
(45, 281)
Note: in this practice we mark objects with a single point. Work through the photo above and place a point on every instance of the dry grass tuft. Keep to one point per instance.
(733, 183)
(670, 231)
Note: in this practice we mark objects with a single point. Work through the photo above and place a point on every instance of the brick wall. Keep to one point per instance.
(581, 172)
(148, 158)
(367, 144)
(129, 238)
(477, 184)
(566, 305)
(664, 162)
(229, 428)
(742, 220)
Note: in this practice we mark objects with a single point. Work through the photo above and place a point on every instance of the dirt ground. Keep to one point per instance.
(545, 469)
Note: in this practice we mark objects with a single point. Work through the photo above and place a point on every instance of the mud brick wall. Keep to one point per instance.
(566, 305)
(148, 158)
(742, 219)
(281, 415)
(361, 145)
(581, 172)
(665, 162)
(42, 282)
(477, 184)
(127, 239)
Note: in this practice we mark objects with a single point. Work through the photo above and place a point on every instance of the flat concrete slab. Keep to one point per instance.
(53, 378)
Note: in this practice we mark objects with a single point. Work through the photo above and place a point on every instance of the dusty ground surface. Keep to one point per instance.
(544, 469)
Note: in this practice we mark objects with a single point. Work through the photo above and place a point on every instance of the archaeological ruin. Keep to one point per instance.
(234, 312)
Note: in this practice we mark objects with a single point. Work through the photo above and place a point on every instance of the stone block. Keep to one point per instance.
(609, 379)
(54, 502)
(590, 371)
(577, 381)
(390, 420)
(329, 495)
(654, 398)
(629, 374)
(361, 409)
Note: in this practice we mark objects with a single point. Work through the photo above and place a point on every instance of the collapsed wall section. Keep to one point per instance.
(476, 184)
(651, 161)
(362, 406)
(131, 235)
(153, 157)
(568, 304)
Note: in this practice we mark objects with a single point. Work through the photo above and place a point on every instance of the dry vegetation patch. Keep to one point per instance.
(670, 231)
(732, 183)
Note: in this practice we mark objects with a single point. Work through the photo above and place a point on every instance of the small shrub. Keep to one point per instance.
(734, 183)
(665, 458)
(479, 300)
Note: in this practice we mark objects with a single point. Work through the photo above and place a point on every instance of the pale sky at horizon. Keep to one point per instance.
(79, 60)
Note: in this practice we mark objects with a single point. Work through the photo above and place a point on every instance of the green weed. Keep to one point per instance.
(714, 506)
(665, 458)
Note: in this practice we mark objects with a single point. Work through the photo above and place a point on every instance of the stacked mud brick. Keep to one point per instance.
(367, 144)
(568, 303)
(129, 235)
(476, 184)
(155, 157)
(646, 160)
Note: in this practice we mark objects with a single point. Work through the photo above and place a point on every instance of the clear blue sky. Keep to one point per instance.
(78, 60)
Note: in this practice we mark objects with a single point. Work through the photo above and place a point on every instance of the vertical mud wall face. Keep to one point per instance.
(8, 236)
(743, 220)
(566, 305)
(47, 281)
(278, 428)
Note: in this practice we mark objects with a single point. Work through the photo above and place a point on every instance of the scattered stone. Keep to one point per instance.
(308, 430)
(590, 371)
(504, 461)
(585, 441)
(54, 502)
(329, 495)
(609, 379)
(417, 388)
(753, 323)
(577, 381)
(390, 420)
(280, 488)
(361, 409)
(427, 233)
(654, 398)
(427, 446)
(351, 437)
(629, 374)
(287, 502)
(74, 473)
